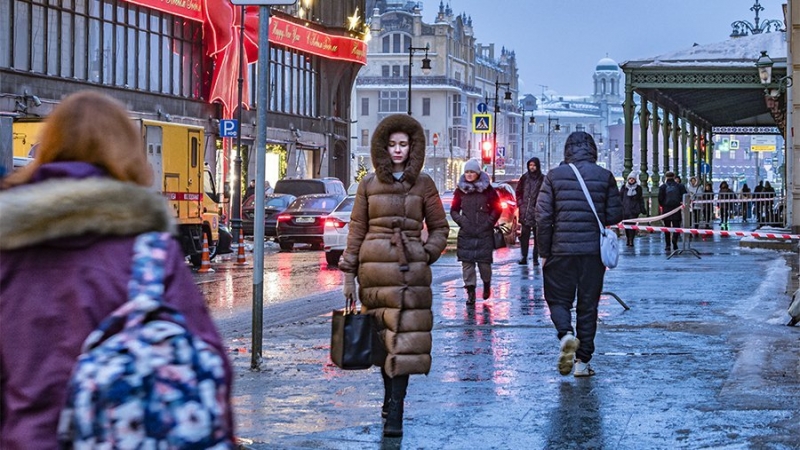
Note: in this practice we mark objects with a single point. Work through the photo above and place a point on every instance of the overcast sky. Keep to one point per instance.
(559, 42)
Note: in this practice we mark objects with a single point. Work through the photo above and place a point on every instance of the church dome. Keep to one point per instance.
(607, 64)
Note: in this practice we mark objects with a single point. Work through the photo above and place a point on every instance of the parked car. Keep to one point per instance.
(336, 226)
(303, 222)
(274, 205)
(510, 213)
(447, 202)
(305, 186)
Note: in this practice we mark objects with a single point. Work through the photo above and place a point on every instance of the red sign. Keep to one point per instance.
(190, 9)
(435, 139)
(321, 44)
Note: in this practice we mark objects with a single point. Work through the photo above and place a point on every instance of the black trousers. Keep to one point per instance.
(524, 241)
(672, 222)
(565, 279)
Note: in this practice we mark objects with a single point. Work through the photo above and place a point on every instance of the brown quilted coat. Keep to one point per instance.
(386, 251)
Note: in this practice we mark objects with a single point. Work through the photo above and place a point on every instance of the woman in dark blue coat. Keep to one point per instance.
(475, 208)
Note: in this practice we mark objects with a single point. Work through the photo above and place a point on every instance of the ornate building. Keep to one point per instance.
(461, 74)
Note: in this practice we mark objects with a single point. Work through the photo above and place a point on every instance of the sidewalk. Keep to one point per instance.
(703, 359)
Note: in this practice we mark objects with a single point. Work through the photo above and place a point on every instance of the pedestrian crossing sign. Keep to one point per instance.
(481, 123)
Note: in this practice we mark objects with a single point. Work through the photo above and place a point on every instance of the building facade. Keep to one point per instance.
(462, 75)
(178, 62)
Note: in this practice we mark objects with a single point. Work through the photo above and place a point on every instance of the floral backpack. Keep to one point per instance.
(142, 379)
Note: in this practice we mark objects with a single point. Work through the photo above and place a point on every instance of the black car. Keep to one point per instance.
(303, 222)
(274, 204)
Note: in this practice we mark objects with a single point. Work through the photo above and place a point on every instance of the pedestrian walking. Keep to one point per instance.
(725, 195)
(746, 197)
(708, 208)
(569, 240)
(670, 196)
(527, 193)
(387, 255)
(769, 204)
(475, 208)
(695, 190)
(70, 219)
(630, 195)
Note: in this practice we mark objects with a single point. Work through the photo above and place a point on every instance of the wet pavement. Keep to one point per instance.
(702, 359)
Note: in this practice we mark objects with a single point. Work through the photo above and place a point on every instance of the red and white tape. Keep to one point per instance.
(698, 232)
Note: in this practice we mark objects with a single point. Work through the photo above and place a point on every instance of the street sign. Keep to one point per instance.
(435, 139)
(228, 128)
(705, 168)
(481, 123)
(264, 2)
(501, 152)
(762, 143)
(482, 108)
(500, 162)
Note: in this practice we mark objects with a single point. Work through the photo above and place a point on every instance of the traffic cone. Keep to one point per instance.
(241, 259)
(205, 260)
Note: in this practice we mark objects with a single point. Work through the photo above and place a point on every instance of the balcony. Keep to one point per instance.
(402, 81)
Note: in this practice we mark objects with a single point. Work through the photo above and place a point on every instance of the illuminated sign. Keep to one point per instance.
(326, 45)
(189, 9)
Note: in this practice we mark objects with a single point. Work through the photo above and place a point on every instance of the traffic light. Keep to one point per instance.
(487, 148)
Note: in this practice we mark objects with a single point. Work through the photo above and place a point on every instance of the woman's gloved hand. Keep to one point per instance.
(349, 287)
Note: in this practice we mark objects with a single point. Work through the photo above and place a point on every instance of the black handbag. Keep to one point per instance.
(498, 238)
(354, 339)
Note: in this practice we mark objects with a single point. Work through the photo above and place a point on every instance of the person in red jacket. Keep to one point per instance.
(70, 219)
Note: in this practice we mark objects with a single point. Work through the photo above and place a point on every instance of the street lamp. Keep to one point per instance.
(524, 125)
(506, 99)
(764, 65)
(426, 67)
(551, 128)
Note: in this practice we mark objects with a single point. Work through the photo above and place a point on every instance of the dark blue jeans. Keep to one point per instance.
(524, 241)
(565, 279)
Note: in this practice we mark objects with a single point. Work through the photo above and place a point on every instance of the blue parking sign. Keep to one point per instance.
(228, 128)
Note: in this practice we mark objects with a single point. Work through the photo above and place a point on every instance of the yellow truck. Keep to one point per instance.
(176, 154)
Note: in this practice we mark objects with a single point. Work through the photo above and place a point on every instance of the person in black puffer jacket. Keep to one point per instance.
(569, 243)
(475, 208)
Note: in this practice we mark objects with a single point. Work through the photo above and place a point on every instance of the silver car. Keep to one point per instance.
(336, 225)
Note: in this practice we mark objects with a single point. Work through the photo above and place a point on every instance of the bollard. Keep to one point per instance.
(241, 259)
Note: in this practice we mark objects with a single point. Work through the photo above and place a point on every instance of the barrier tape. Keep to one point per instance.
(698, 232)
(735, 200)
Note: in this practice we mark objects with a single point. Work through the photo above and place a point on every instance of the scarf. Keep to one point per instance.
(631, 189)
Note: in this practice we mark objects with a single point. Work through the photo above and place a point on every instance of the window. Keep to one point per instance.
(457, 105)
(426, 106)
(364, 138)
(393, 101)
(396, 71)
(386, 71)
(365, 106)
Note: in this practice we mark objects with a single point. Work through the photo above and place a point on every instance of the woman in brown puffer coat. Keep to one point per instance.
(386, 252)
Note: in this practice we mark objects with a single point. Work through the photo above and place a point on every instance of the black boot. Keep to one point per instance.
(394, 420)
(470, 294)
(523, 260)
(487, 290)
(387, 393)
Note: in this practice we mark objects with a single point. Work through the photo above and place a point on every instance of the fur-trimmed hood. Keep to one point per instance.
(382, 161)
(65, 208)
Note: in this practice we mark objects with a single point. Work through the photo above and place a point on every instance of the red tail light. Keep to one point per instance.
(334, 222)
(284, 217)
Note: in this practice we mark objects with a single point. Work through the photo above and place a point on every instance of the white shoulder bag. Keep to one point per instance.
(609, 252)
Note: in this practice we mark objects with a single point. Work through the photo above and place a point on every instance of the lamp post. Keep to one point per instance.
(615, 148)
(506, 99)
(764, 65)
(522, 149)
(551, 128)
(426, 67)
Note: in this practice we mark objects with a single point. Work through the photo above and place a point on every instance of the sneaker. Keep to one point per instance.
(569, 345)
(582, 369)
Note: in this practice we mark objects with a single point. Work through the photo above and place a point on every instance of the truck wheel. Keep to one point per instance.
(332, 257)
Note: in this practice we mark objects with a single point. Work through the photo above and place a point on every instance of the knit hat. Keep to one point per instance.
(472, 165)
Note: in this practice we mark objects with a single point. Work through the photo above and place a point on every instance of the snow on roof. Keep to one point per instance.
(739, 52)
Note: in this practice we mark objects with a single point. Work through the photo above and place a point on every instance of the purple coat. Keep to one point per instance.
(65, 263)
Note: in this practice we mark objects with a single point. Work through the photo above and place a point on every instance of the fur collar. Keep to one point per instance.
(478, 185)
(64, 208)
(381, 159)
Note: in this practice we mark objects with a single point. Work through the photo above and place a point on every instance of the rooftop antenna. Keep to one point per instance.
(543, 89)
